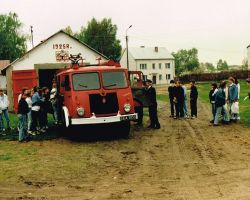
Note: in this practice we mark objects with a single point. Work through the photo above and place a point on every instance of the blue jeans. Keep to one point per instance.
(4, 114)
(56, 111)
(22, 127)
(185, 108)
(218, 114)
(29, 119)
(213, 110)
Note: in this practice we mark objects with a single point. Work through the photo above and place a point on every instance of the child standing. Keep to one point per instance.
(193, 99)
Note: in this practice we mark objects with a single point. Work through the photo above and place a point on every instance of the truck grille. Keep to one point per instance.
(103, 104)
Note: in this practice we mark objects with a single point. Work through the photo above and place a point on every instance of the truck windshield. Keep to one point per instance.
(114, 80)
(86, 81)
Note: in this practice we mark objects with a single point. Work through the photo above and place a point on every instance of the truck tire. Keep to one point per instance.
(124, 129)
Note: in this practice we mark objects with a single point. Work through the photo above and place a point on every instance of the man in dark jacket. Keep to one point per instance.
(193, 99)
(171, 94)
(179, 97)
(151, 94)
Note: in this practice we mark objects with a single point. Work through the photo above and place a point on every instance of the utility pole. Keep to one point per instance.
(31, 31)
(127, 45)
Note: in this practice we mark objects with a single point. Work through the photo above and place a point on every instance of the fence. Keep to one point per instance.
(239, 74)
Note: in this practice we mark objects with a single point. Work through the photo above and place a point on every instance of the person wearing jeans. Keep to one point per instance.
(220, 101)
(233, 96)
(23, 110)
(4, 103)
(185, 100)
(212, 94)
(37, 100)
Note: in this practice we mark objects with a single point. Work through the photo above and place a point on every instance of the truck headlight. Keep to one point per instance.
(127, 107)
(80, 111)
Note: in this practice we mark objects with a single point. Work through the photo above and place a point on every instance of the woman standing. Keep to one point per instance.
(238, 86)
(220, 101)
(23, 110)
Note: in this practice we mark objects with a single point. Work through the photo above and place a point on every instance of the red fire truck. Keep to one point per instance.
(96, 95)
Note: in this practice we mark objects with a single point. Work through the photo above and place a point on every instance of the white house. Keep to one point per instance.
(248, 56)
(156, 63)
(39, 65)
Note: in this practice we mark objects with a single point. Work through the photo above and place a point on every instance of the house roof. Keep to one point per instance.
(3, 70)
(145, 53)
(4, 63)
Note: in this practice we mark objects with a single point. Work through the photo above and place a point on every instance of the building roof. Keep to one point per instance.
(3, 70)
(150, 53)
(4, 63)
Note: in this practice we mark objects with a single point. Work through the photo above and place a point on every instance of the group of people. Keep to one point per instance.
(178, 100)
(33, 108)
(224, 100)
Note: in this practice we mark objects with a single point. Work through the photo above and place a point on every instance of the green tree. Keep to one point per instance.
(245, 64)
(186, 60)
(68, 30)
(12, 41)
(210, 67)
(101, 35)
(222, 65)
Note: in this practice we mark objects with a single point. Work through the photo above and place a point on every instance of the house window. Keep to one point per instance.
(145, 77)
(153, 66)
(143, 66)
(168, 76)
(159, 65)
(167, 65)
(160, 77)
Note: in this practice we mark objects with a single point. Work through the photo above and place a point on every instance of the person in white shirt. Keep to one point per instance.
(4, 103)
(238, 86)
(29, 102)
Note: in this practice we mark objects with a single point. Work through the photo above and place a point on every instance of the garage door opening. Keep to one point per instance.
(46, 77)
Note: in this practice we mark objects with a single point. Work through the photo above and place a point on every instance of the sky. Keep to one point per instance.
(219, 29)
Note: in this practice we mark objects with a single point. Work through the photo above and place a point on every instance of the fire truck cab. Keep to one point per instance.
(95, 95)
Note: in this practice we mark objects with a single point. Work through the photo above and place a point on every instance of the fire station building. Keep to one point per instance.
(39, 65)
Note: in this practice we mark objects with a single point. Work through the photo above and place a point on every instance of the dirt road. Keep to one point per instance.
(185, 160)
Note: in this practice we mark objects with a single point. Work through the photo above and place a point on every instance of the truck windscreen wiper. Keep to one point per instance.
(85, 86)
(111, 85)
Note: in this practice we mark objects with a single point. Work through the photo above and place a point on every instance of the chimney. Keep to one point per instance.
(156, 49)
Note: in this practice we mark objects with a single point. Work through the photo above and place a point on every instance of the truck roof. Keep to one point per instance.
(91, 69)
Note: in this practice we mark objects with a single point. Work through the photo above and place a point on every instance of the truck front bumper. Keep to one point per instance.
(103, 120)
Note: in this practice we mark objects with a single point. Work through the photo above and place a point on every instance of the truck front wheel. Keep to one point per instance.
(124, 129)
